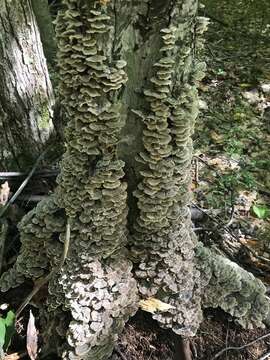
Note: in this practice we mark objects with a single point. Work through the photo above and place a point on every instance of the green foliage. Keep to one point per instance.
(2, 337)
(261, 211)
(7, 330)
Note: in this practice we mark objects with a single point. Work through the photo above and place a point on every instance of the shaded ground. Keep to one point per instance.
(144, 340)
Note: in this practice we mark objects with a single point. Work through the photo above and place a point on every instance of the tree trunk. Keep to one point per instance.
(128, 77)
(44, 21)
(26, 94)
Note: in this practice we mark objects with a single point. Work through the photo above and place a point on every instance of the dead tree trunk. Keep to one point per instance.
(128, 76)
(26, 97)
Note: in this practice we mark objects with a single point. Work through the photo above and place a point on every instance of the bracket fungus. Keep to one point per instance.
(95, 286)
(233, 289)
(96, 290)
(163, 227)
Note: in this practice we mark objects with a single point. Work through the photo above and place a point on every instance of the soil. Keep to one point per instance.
(143, 339)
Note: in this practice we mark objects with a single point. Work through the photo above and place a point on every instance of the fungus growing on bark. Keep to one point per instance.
(163, 226)
(233, 289)
(95, 285)
(36, 230)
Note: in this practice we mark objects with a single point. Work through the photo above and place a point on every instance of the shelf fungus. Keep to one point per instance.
(166, 271)
(232, 288)
(95, 287)
(39, 250)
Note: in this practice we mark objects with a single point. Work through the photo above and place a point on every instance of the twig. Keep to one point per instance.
(119, 352)
(196, 171)
(224, 227)
(49, 276)
(240, 347)
(23, 184)
(17, 174)
(3, 235)
(211, 17)
(214, 219)
(265, 356)
(32, 198)
(232, 211)
(227, 336)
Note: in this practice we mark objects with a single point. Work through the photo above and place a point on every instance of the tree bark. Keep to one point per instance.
(26, 97)
(44, 21)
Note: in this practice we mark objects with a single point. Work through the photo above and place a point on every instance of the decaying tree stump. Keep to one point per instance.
(128, 78)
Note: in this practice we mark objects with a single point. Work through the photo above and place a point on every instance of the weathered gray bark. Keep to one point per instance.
(26, 96)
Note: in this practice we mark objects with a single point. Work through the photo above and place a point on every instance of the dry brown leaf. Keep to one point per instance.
(224, 163)
(4, 193)
(14, 356)
(216, 137)
(153, 305)
(32, 338)
(245, 200)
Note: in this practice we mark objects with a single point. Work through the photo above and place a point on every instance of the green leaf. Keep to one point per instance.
(2, 337)
(261, 211)
(10, 328)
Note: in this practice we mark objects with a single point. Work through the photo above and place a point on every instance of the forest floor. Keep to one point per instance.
(231, 182)
(143, 339)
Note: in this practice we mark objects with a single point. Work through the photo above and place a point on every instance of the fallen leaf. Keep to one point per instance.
(10, 328)
(245, 200)
(265, 88)
(4, 193)
(216, 137)
(251, 96)
(32, 338)
(261, 211)
(203, 105)
(2, 337)
(153, 305)
(224, 163)
(14, 356)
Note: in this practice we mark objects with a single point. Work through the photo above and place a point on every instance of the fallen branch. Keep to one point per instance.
(3, 235)
(8, 175)
(240, 347)
(119, 353)
(224, 226)
(23, 184)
